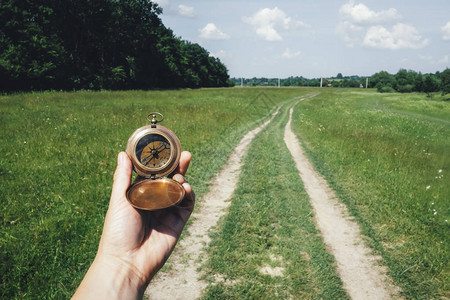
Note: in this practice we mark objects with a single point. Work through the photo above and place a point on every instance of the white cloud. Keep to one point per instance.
(268, 21)
(350, 32)
(446, 31)
(360, 25)
(211, 32)
(361, 14)
(220, 54)
(288, 54)
(402, 36)
(162, 3)
(186, 11)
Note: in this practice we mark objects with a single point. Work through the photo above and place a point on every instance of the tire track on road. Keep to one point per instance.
(361, 272)
(184, 281)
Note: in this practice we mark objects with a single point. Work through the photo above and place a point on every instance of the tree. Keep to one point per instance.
(31, 56)
(430, 85)
(445, 82)
(418, 82)
(404, 81)
(339, 76)
(98, 44)
(382, 81)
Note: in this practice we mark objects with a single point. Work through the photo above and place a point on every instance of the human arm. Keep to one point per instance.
(135, 244)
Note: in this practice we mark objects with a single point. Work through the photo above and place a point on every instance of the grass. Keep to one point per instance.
(388, 156)
(58, 154)
(270, 226)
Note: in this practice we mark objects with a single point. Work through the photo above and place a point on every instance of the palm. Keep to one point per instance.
(143, 239)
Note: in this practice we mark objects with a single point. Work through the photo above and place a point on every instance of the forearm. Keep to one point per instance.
(111, 278)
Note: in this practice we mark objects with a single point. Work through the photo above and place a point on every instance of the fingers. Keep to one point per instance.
(185, 160)
(189, 197)
(180, 178)
(122, 175)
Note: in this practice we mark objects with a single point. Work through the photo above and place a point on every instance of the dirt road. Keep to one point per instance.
(360, 271)
(183, 282)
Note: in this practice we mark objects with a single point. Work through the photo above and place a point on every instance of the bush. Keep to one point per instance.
(407, 88)
(385, 89)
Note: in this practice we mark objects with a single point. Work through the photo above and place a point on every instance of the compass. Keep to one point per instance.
(155, 153)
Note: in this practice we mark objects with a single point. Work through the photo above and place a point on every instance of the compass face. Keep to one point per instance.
(153, 151)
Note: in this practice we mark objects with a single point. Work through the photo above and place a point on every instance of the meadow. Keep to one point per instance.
(267, 246)
(387, 156)
(58, 155)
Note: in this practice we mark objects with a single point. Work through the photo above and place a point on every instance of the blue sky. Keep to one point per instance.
(316, 38)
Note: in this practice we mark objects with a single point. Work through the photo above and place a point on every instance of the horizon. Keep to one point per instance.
(334, 77)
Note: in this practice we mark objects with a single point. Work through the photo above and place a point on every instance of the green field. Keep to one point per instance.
(59, 151)
(270, 225)
(387, 156)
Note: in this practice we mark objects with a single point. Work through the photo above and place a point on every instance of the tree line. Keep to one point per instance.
(407, 81)
(102, 44)
(338, 81)
(404, 81)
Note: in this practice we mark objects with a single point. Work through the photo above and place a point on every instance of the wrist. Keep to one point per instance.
(110, 277)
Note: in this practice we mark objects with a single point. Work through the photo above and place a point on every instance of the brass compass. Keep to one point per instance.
(155, 153)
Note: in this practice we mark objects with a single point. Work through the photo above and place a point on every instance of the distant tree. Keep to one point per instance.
(404, 81)
(445, 82)
(339, 76)
(346, 83)
(418, 82)
(382, 81)
(430, 85)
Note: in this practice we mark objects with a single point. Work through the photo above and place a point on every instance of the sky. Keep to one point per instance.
(316, 38)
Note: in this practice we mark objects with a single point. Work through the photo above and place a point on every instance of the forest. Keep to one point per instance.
(102, 44)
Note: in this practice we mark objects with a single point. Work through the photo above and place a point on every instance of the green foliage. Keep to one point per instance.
(406, 82)
(385, 89)
(445, 82)
(103, 44)
(381, 79)
(430, 85)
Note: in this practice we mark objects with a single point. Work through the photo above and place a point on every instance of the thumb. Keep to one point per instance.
(122, 176)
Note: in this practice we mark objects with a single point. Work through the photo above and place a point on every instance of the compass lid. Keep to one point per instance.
(150, 194)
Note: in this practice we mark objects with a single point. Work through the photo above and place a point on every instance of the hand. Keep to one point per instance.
(135, 244)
